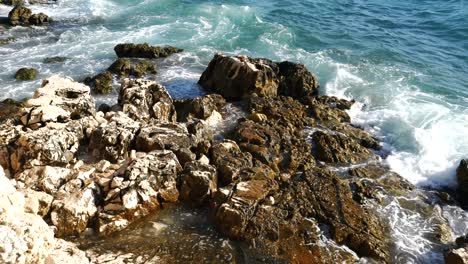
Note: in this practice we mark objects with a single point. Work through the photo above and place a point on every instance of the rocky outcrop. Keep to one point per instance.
(142, 100)
(26, 74)
(241, 77)
(130, 50)
(458, 254)
(139, 188)
(23, 16)
(55, 59)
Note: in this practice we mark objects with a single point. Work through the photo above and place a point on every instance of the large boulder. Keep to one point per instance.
(144, 50)
(145, 100)
(240, 77)
(136, 68)
(19, 15)
(139, 188)
(295, 80)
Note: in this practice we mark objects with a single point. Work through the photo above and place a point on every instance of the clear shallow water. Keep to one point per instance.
(405, 62)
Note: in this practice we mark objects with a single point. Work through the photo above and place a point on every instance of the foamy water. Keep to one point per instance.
(405, 66)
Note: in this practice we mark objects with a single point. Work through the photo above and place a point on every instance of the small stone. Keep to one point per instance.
(26, 74)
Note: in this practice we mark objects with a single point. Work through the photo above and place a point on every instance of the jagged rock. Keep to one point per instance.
(74, 206)
(58, 100)
(142, 100)
(6, 41)
(54, 144)
(162, 135)
(327, 109)
(200, 107)
(240, 77)
(282, 111)
(19, 15)
(273, 216)
(140, 188)
(198, 182)
(9, 132)
(338, 148)
(12, 2)
(26, 74)
(462, 178)
(113, 140)
(280, 148)
(24, 237)
(144, 51)
(295, 80)
(55, 59)
(39, 19)
(229, 160)
(45, 178)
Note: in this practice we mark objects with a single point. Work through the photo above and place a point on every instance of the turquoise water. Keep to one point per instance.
(405, 62)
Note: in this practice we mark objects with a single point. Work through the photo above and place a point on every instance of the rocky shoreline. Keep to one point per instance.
(292, 179)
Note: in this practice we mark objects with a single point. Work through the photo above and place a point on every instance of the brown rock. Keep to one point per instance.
(198, 183)
(144, 51)
(200, 107)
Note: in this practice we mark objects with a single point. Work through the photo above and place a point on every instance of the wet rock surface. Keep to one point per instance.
(291, 182)
(23, 16)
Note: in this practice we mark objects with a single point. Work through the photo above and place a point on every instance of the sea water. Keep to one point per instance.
(404, 62)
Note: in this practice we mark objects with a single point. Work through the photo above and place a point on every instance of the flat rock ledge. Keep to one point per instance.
(269, 181)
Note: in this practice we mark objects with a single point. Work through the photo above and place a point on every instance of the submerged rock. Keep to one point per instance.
(39, 19)
(130, 50)
(241, 77)
(56, 59)
(26, 74)
(127, 67)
